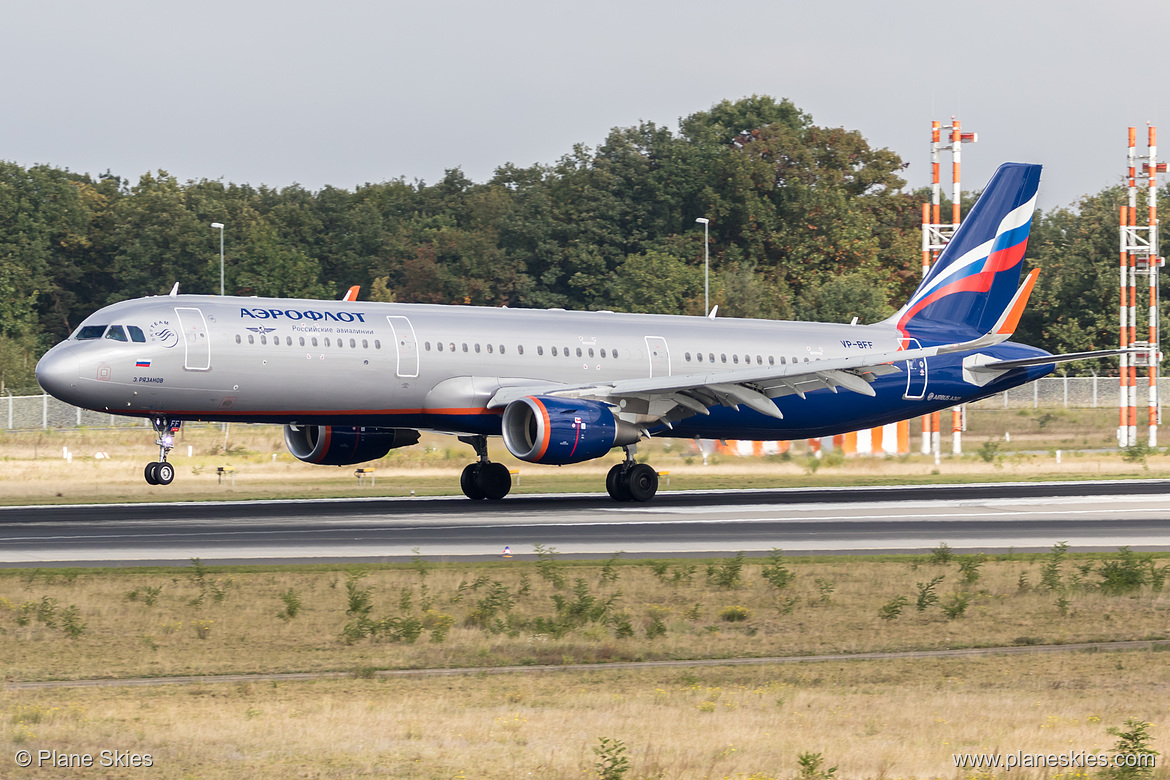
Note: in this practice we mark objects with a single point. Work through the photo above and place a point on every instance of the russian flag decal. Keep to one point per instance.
(142, 364)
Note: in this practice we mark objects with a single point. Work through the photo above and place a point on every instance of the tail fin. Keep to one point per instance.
(970, 287)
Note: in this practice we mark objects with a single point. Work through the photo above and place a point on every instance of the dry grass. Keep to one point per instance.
(231, 621)
(32, 469)
(891, 719)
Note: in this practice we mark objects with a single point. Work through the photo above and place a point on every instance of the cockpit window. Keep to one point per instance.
(116, 333)
(91, 332)
(136, 334)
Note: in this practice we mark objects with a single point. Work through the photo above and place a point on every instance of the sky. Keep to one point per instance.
(355, 91)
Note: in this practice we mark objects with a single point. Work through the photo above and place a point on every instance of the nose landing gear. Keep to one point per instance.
(484, 479)
(161, 472)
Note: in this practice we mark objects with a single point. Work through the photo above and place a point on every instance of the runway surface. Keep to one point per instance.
(992, 517)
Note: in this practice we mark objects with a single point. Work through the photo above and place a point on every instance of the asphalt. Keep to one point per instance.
(988, 517)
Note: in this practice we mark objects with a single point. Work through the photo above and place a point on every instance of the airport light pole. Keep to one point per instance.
(706, 265)
(220, 226)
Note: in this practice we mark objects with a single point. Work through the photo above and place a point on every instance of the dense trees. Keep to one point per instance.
(806, 221)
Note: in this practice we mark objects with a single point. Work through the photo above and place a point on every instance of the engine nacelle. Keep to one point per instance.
(342, 445)
(557, 431)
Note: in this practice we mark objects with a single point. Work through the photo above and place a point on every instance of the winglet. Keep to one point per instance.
(1011, 316)
(352, 293)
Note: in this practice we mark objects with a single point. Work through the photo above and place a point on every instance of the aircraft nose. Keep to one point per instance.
(57, 372)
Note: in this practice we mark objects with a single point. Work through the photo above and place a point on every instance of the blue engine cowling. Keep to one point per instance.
(344, 445)
(558, 431)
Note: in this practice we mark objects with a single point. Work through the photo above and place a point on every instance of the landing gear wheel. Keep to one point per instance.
(642, 482)
(164, 473)
(151, 473)
(615, 483)
(469, 481)
(494, 480)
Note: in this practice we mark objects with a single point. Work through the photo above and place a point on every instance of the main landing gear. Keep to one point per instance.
(484, 479)
(161, 472)
(630, 481)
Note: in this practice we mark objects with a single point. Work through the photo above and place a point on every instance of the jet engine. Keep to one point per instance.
(341, 445)
(557, 431)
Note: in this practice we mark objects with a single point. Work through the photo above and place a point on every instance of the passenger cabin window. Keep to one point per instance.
(603, 352)
(238, 339)
(302, 341)
(365, 344)
(288, 341)
(251, 339)
(540, 350)
(519, 349)
(489, 348)
(464, 345)
(314, 341)
(115, 333)
(91, 332)
(378, 345)
(439, 346)
(263, 339)
(554, 351)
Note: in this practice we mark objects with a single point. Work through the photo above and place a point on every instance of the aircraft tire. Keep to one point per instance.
(469, 481)
(615, 483)
(151, 473)
(642, 482)
(164, 473)
(494, 480)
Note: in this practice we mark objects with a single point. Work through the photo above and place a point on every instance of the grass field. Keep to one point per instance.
(891, 719)
(33, 470)
(872, 719)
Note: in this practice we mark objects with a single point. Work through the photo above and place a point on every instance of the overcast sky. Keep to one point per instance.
(354, 91)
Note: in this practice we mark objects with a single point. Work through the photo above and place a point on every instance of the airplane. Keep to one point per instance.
(351, 380)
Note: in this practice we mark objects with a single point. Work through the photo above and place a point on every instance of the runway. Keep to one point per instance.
(990, 517)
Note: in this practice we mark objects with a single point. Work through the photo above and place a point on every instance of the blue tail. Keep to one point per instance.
(975, 278)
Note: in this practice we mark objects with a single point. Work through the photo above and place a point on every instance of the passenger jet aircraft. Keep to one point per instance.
(350, 380)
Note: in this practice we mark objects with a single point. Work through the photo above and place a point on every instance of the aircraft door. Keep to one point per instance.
(405, 346)
(915, 374)
(195, 339)
(659, 356)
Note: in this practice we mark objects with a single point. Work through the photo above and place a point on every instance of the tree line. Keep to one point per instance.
(806, 222)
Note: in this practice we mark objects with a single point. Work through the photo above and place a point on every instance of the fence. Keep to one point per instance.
(1056, 392)
(30, 412)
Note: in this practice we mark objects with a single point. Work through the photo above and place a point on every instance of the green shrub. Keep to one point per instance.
(735, 614)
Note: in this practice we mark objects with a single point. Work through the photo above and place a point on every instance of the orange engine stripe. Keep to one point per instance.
(547, 427)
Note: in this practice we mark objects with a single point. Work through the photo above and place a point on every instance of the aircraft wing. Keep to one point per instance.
(672, 398)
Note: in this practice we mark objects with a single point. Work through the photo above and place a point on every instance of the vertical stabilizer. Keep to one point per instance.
(975, 279)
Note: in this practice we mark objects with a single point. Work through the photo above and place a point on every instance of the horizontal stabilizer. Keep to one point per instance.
(1007, 365)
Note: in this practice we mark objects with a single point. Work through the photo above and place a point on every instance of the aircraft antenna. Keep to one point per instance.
(1139, 257)
(935, 235)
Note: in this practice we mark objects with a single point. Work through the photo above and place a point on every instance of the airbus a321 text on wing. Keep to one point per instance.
(352, 380)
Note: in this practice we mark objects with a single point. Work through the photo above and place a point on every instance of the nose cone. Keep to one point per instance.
(57, 373)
